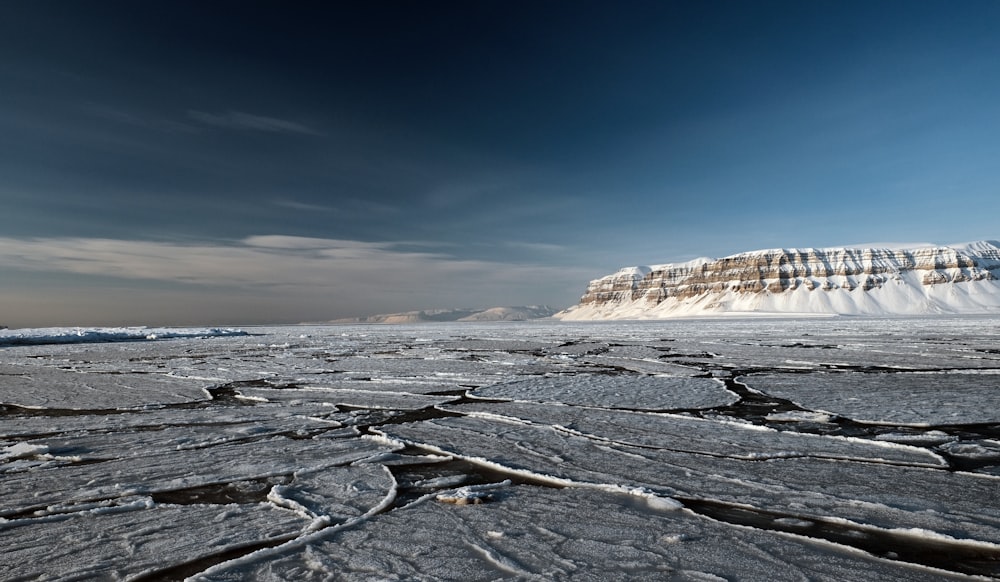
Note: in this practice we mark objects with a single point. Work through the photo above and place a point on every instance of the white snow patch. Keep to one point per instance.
(471, 494)
(22, 451)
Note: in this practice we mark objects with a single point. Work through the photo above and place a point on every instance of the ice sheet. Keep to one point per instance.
(642, 366)
(335, 494)
(530, 533)
(868, 493)
(41, 424)
(169, 470)
(672, 432)
(117, 545)
(42, 387)
(346, 396)
(891, 398)
(627, 392)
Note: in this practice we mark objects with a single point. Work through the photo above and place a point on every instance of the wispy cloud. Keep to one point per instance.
(534, 247)
(372, 276)
(257, 260)
(241, 121)
(148, 122)
(305, 206)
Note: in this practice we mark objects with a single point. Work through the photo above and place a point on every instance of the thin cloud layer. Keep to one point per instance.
(304, 206)
(258, 260)
(239, 120)
(327, 274)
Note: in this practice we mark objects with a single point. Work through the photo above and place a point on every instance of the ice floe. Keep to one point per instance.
(672, 432)
(919, 399)
(44, 387)
(627, 392)
(348, 397)
(96, 545)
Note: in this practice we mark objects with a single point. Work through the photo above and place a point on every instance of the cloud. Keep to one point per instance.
(535, 247)
(241, 121)
(296, 205)
(257, 260)
(278, 241)
(142, 121)
(333, 277)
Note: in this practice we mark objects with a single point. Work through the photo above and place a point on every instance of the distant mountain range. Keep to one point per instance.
(887, 280)
(521, 313)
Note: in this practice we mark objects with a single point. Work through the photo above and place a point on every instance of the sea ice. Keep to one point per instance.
(868, 493)
(101, 545)
(170, 469)
(310, 452)
(336, 494)
(673, 432)
(40, 424)
(531, 533)
(43, 387)
(919, 399)
(385, 399)
(625, 391)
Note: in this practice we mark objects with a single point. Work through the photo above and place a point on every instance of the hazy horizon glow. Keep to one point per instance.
(189, 163)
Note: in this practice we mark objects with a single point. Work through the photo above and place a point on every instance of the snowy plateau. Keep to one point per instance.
(714, 449)
(888, 280)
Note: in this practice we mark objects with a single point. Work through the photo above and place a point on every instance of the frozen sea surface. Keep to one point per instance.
(833, 449)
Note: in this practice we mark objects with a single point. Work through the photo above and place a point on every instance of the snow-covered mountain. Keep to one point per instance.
(961, 278)
(521, 313)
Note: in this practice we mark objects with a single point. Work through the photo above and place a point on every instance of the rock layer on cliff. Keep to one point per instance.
(856, 281)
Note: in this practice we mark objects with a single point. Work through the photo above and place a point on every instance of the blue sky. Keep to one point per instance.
(252, 162)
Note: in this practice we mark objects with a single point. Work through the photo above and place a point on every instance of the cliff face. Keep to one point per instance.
(846, 280)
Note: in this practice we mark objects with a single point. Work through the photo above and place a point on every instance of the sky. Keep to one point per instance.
(216, 163)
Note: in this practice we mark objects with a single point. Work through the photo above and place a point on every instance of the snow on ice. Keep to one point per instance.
(924, 398)
(632, 392)
(777, 449)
